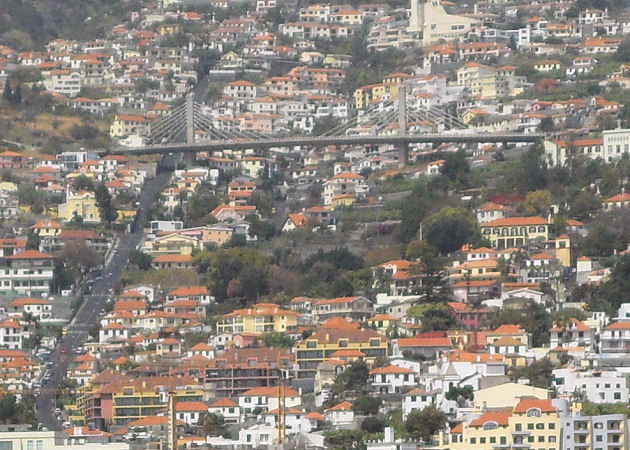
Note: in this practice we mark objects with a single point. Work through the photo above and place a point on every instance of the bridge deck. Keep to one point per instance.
(292, 141)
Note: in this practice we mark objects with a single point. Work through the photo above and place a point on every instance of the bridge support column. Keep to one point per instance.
(189, 157)
(403, 149)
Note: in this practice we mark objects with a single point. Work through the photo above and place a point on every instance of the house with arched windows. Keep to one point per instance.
(515, 231)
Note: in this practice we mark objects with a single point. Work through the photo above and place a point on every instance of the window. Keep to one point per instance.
(490, 426)
(534, 412)
(530, 426)
(552, 426)
(473, 440)
(552, 439)
(540, 426)
(541, 438)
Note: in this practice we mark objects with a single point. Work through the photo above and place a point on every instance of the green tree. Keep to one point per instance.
(211, 423)
(538, 202)
(456, 393)
(354, 377)
(7, 93)
(83, 183)
(366, 406)
(456, 168)
(373, 424)
(277, 340)
(140, 259)
(107, 212)
(237, 272)
(424, 424)
(546, 125)
(32, 240)
(344, 439)
(434, 316)
(450, 228)
(539, 373)
(16, 96)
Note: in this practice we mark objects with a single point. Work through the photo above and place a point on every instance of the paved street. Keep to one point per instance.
(88, 313)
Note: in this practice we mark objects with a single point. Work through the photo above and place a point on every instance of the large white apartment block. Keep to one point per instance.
(599, 387)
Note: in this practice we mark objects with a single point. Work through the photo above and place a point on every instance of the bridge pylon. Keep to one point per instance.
(403, 147)
(189, 157)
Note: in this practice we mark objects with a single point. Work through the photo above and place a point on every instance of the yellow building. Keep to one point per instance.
(173, 244)
(125, 215)
(81, 204)
(563, 250)
(490, 430)
(334, 335)
(114, 399)
(252, 166)
(365, 95)
(46, 228)
(126, 124)
(382, 322)
(534, 423)
(260, 318)
(342, 200)
(515, 231)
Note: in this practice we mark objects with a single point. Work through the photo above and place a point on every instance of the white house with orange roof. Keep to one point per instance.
(341, 415)
(418, 398)
(39, 308)
(240, 89)
(190, 412)
(490, 211)
(265, 398)
(294, 221)
(575, 333)
(203, 349)
(392, 379)
(615, 339)
(227, 408)
(199, 293)
(11, 334)
(114, 331)
(401, 277)
(344, 183)
(621, 200)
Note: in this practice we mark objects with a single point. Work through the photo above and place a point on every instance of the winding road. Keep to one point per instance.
(88, 314)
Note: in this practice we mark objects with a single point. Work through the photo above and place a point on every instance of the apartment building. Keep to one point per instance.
(237, 370)
(337, 334)
(608, 432)
(260, 318)
(515, 231)
(29, 273)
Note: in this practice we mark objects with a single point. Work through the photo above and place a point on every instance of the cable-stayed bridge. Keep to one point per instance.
(190, 128)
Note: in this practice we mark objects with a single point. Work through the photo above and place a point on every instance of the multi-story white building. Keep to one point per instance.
(594, 432)
(64, 82)
(29, 273)
(599, 387)
(616, 143)
(39, 308)
(615, 338)
(10, 335)
(392, 379)
(344, 183)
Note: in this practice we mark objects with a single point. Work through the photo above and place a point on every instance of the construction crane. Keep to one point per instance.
(172, 419)
(282, 417)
